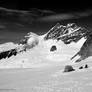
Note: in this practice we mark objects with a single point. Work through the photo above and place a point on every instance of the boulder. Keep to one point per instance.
(53, 48)
(81, 67)
(68, 68)
(86, 66)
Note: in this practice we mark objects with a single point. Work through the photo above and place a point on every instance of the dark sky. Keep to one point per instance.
(56, 5)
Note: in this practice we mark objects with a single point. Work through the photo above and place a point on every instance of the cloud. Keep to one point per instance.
(66, 16)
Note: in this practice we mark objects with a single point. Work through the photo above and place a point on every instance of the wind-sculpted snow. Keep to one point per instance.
(70, 40)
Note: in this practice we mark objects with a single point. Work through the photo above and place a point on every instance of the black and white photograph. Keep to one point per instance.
(45, 46)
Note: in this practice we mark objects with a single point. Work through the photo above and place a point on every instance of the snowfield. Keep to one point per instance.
(47, 79)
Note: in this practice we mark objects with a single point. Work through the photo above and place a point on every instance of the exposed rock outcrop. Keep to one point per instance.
(7, 54)
(81, 67)
(86, 50)
(68, 68)
(86, 66)
(53, 48)
(69, 33)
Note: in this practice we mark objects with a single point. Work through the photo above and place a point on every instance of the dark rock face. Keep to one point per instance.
(86, 50)
(86, 66)
(81, 67)
(69, 33)
(53, 48)
(68, 68)
(8, 54)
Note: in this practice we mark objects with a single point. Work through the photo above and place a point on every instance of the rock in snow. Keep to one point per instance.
(81, 67)
(68, 68)
(53, 48)
(86, 66)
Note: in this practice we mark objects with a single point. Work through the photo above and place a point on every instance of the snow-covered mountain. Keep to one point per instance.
(59, 44)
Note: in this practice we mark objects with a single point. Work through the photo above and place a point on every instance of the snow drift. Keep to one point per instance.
(35, 50)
